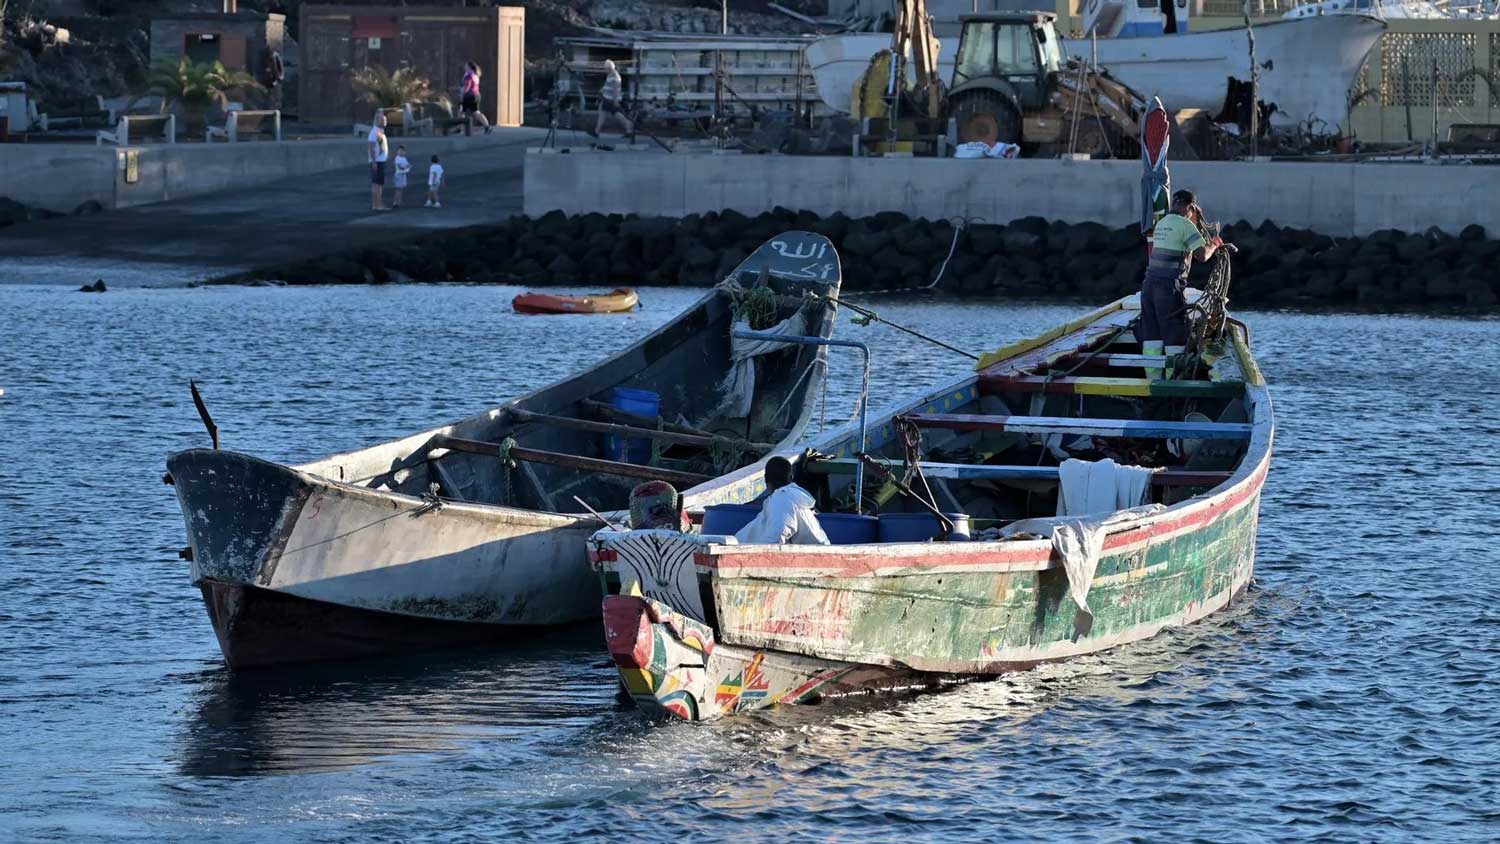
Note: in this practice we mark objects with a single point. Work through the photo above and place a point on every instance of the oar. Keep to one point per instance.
(890, 477)
(596, 513)
(208, 421)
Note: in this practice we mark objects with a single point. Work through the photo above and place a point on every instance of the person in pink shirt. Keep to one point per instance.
(469, 96)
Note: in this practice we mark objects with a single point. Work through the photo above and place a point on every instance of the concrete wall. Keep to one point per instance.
(1336, 199)
(60, 177)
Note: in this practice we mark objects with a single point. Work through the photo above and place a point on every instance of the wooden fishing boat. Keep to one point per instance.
(701, 627)
(471, 530)
(616, 301)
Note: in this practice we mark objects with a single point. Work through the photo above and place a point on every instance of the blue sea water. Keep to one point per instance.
(1351, 697)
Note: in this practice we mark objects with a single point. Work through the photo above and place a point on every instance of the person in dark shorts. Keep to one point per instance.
(469, 95)
(379, 149)
(610, 96)
(1176, 242)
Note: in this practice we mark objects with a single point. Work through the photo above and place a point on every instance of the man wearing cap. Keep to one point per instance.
(1176, 242)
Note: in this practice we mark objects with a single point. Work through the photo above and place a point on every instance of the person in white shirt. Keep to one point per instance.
(434, 184)
(610, 97)
(786, 514)
(379, 149)
(403, 169)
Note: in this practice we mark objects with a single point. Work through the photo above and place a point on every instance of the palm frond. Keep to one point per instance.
(386, 89)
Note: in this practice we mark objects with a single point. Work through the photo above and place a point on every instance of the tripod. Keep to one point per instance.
(554, 105)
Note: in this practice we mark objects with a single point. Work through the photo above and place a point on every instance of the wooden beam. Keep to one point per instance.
(1091, 386)
(449, 486)
(698, 440)
(571, 461)
(1142, 428)
(987, 472)
(1114, 359)
(624, 417)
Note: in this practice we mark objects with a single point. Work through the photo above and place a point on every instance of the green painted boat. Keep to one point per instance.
(702, 627)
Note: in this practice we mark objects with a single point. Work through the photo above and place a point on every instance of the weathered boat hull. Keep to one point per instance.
(355, 554)
(924, 629)
(1308, 65)
(363, 572)
(261, 627)
(791, 623)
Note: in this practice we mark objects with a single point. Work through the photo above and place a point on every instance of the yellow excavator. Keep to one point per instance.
(1010, 84)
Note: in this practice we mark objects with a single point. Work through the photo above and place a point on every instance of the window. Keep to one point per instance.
(995, 49)
(1014, 53)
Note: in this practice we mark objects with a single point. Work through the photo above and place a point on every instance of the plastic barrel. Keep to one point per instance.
(849, 528)
(724, 519)
(920, 527)
(641, 403)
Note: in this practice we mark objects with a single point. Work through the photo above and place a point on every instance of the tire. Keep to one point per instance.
(987, 116)
(1094, 140)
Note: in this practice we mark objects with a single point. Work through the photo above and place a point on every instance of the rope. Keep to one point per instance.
(959, 224)
(507, 463)
(868, 316)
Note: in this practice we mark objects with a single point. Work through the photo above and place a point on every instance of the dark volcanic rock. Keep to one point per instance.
(1030, 257)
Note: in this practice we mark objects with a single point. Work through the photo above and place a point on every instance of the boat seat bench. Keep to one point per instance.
(570, 461)
(986, 472)
(1099, 386)
(1139, 428)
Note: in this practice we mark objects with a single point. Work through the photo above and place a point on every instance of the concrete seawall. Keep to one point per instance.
(1335, 198)
(61, 177)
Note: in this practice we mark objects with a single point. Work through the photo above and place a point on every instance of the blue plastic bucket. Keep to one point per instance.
(920, 527)
(641, 403)
(849, 528)
(724, 519)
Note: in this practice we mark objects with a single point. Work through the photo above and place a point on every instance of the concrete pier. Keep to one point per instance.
(281, 217)
(61, 177)
(1337, 199)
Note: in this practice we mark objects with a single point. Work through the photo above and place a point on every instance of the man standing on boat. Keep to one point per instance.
(786, 512)
(1176, 242)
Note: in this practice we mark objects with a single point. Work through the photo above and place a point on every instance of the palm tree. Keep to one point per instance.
(385, 89)
(195, 87)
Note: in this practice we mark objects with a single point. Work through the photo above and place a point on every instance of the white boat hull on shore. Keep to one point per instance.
(1306, 66)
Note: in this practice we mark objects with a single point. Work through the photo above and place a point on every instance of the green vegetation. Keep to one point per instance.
(384, 89)
(196, 87)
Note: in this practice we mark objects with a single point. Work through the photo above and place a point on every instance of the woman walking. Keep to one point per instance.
(469, 95)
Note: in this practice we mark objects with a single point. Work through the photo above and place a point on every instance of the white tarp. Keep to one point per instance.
(1094, 488)
(738, 387)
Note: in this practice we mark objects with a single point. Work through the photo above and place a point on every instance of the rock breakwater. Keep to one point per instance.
(1028, 258)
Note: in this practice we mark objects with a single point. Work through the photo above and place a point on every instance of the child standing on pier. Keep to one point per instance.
(403, 168)
(434, 183)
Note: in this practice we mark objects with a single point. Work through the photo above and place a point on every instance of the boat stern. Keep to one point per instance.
(662, 655)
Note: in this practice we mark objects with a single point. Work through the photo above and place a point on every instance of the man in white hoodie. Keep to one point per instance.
(786, 512)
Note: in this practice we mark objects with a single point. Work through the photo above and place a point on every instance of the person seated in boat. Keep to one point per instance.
(1176, 241)
(786, 513)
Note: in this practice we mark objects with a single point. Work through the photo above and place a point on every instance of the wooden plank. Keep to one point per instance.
(572, 461)
(616, 429)
(1007, 352)
(1141, 428)
(1095, 386)
(986, 472)
(1116, 359)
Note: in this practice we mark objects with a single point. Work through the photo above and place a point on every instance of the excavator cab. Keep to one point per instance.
(1005, 68)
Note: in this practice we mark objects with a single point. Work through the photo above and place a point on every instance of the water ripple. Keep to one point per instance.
(1349, 697)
